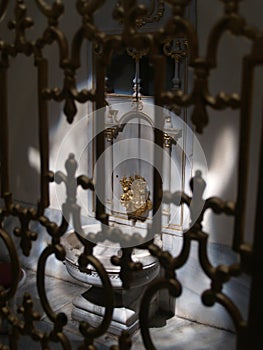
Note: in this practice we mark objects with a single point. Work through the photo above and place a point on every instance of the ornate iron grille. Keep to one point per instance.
(248, 332)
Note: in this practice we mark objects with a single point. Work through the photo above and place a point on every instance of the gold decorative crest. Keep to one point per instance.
(135, 197)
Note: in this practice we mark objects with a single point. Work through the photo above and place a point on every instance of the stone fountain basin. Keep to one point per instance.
(104, 252)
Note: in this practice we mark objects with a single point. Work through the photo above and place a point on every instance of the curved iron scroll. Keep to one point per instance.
(200, 98)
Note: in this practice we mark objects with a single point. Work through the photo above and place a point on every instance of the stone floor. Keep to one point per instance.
(175, 333)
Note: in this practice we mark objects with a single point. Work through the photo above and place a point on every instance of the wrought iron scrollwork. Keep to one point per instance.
(150, 14)
(132, 38)
(91, 333)
(6, 295)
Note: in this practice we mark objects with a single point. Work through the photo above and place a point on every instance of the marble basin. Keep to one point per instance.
(104, 253)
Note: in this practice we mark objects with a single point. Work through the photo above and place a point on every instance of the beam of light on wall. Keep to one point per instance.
(56, 134)
(34, 159)
(221, 182)
(223, 162)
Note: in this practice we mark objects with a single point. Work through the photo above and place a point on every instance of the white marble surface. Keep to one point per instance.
(195, 282)
(193, 279)
(53, 266)
(175, 333)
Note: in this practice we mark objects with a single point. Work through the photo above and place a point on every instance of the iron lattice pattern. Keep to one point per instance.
(199, 99)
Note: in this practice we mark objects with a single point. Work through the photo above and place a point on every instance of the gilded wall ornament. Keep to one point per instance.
(135, 197)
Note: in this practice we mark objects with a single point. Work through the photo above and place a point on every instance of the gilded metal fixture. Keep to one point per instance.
(168, 141)
(113, 131)
(137, 56)
(177, 50)
(135, 197)
(200, 98)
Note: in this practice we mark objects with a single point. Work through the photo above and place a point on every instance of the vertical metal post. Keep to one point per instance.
(244, 142)
(4, 131)
(100, 139)
(251, 336)
(158, 143)
(43, 131)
